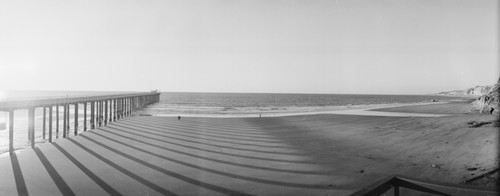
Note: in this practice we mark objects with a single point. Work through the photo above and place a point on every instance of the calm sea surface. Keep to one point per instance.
(245, 104)
(201, 104)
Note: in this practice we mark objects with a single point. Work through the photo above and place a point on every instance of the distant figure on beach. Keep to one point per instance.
(178, 117)
(260, 115)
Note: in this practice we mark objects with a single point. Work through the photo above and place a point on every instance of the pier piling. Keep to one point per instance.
(31, 126)
(114, 110)
(101, 113)
(97, 113)
(76, 118)
(11, 131)
(92, 119)
(103, 110)
(118, 102)
(65, 119)
(85, 116)
(101, 104)
(50, 123)
(57, 121)
(110, 105)
(43, 123)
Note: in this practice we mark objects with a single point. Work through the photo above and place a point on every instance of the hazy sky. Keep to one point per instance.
(308, 46)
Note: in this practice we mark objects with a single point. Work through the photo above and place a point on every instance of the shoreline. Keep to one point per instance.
(363, 110)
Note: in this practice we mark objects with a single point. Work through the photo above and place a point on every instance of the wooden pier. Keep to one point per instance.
(103, 109)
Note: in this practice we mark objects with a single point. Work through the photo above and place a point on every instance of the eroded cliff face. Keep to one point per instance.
(488, 102)
(476, 91)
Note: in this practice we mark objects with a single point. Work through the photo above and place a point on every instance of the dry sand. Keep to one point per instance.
(359, 149)
(436, 148)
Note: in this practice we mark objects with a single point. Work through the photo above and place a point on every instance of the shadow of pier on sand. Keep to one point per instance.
(170, 157)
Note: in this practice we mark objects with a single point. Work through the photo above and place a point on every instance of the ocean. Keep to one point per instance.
(253, 104)
(202, 104)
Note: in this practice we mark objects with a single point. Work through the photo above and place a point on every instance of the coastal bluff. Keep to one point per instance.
(486, 97)
(474, 91)
(488, 103)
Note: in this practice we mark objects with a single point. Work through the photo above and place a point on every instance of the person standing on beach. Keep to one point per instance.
(178, 117)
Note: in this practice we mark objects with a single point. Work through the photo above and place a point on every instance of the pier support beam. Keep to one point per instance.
(85, 116)
(76, 118)
(92, 115)
(31, 126)
(65, 120)
(110, 110)
(118, 103)
(133, 104)
(11, 132)
(122, 107)
(114, 110)
(117, 109)
(68, 113)
(122, 111)
(128, 106)
(44, 120)
(125, 107)
(50, 123)
(105, 112)
(97, 107)
(96, 114)
(100, 113)
(57, 121)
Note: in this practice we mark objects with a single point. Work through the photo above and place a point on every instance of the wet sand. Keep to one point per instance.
(324, 154)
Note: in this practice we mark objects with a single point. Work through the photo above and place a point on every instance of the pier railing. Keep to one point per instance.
(413, 185)
(103, 109)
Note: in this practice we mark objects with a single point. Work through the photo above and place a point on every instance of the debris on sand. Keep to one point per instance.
(474, 124)
(471, 168)
(437, 166)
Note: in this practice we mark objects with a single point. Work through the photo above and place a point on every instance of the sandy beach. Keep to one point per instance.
(322, 154)
(434, 148)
